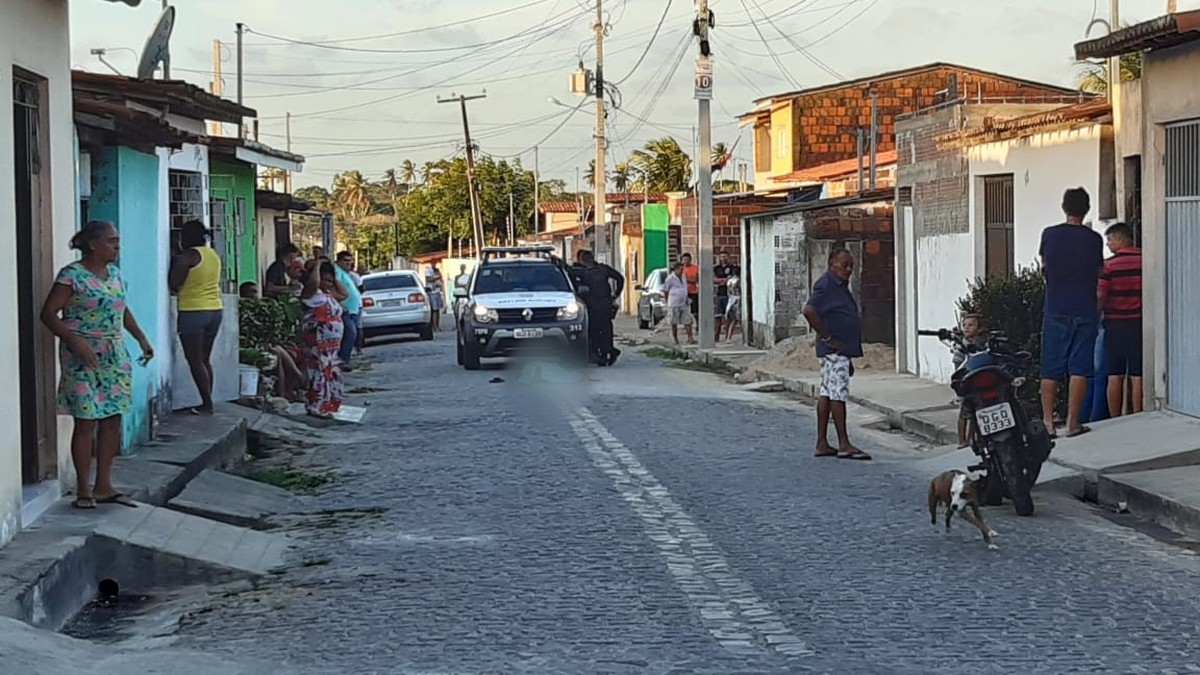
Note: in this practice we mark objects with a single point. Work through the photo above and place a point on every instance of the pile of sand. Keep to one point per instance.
(800, 353)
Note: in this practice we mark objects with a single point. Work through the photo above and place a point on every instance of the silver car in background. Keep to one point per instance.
(395, 303)
(652, 305)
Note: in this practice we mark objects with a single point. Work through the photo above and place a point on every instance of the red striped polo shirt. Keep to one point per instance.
(1120, 287)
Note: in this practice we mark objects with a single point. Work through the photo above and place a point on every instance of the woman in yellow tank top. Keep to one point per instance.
(195, 278)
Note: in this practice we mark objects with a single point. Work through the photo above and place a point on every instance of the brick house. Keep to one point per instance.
(728, 211)
(803, 129)
(976, 185)
(787, 249)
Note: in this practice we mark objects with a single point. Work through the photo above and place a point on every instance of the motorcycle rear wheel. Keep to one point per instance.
(1015, 478)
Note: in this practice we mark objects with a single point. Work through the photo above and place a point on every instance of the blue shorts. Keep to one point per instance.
(1068, 346)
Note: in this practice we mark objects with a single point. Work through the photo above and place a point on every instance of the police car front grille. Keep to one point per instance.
(540, 314)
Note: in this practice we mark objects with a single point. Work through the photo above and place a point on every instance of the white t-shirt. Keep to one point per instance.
(676, 291)
(462, 280)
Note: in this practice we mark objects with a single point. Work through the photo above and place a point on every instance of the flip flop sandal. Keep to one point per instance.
(118, 498)
(1082, 430)
(831, 453)
(860, 455)
(84, 503)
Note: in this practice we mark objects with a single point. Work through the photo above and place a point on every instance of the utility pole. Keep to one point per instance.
(601, 175)
(217, 87)
(512, 223)
(875, 131)
(537, 194)
(240, 34)
(472, 188)
(287, 182)
(703, 92)
(1114, 63)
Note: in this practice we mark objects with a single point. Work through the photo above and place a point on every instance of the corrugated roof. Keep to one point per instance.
(866, 197)
(558, 207)
(1165, 31)
(840, 169)
(183, 98)
(1088, 112)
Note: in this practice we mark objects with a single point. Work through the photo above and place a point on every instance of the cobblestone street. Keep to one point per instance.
(662, 520)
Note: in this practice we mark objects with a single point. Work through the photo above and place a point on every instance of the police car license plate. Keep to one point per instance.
(527, 333)
(996, 418)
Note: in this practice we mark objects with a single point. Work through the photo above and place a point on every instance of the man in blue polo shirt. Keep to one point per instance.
(833, 315)
(351, 306)
(1072, 260)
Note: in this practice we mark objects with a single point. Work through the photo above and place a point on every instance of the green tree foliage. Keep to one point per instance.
(413, 209)
(661, 166)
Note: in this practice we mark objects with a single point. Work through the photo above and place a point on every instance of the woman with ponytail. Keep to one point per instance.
(86, 310)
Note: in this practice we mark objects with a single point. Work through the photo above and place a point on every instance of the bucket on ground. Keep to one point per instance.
(247, 380)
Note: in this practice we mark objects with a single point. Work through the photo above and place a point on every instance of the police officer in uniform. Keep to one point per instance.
(605, 285)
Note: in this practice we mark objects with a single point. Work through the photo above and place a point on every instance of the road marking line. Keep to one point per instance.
(728, 607)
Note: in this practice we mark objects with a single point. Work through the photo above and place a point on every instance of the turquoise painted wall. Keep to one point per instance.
(655, 221)
(125, 190)
(231, 182)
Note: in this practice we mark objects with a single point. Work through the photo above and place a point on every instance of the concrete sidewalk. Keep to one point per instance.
(1147, 464)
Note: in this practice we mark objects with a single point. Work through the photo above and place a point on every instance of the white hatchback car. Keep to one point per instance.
(395, 303)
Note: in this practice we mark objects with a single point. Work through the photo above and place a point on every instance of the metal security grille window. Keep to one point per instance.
(1181, 162)
(186, 201)
(998, 225)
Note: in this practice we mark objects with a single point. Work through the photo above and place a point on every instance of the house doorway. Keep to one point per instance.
(35, 347)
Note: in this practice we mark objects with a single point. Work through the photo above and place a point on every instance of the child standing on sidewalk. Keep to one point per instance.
(679, 311)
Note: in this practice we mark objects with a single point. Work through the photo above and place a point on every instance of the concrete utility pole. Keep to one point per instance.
(874, 132)
(287, 182)
(472, 188)
(217, 88)
(704, 185)
(241, 27)
(537, 194)
(601, 175)
(1114, 63)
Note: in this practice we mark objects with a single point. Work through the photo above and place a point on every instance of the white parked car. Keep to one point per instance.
(395, 303)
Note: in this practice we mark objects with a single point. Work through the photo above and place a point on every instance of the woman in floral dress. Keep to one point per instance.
(86, 309)
(322, 331)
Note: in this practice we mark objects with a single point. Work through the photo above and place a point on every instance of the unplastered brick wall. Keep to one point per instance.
(827, 121)
(939, 177)
(727, 221)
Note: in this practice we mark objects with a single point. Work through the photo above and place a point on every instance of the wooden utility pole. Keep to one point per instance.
(472, 187)
(287, 181)
(217, 87)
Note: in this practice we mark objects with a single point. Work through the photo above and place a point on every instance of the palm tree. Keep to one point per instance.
(589, 176)
(272, 176)
(408, 173)
(427, 171)
(392, 183)
(622, 177)
(720, 156)
(663, 165)
(350, 196)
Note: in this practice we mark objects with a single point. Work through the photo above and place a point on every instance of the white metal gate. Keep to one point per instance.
(1182, 166)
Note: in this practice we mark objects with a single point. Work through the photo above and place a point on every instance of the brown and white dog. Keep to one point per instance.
(956, 490)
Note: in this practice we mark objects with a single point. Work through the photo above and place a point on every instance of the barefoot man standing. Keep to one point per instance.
(833, 315)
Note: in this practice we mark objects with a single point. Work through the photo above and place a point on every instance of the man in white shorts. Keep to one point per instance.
(679, 310)
(833, 314)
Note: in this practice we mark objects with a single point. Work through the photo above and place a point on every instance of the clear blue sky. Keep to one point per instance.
(392, 96)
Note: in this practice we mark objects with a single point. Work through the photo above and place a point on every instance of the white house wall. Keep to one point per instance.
(1043, 166)
(944, 268)
(34, 36)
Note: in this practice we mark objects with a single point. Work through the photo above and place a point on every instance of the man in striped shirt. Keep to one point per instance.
(1119, 293)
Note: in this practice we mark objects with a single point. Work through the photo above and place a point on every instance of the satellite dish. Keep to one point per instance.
(157, 48)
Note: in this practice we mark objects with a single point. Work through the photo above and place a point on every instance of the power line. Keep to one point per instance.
(786, 75)
(428, 50)
(839, 29)
(816, 61)
(649, 44)
(450, 24)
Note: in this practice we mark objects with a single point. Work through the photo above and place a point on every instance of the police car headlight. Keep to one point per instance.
(570, 312)
(485, 315)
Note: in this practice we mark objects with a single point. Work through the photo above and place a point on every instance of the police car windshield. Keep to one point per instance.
(521, 277)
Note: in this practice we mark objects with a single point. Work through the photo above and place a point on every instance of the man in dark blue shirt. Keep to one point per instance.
(833, 315)
(1072, 260)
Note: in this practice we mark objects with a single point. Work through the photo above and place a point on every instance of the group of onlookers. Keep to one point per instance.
(1084, 294)
(682, 291)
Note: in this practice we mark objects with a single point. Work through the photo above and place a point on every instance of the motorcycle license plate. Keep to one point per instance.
(996, 418)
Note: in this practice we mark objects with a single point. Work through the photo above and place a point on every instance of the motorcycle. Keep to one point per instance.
(1011, 445)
